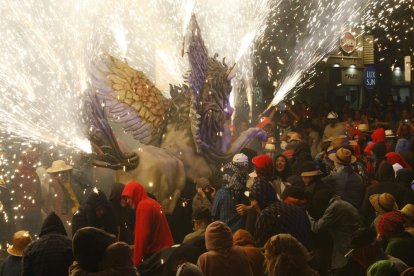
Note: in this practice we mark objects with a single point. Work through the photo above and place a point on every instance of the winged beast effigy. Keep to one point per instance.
(185, 137)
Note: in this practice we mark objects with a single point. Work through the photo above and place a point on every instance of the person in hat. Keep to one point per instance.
(152, 232)
(51, 254)
(201, 218)
(62, 194)
(262, 186)
(334, 128)
(344, 180)
(382, 203)
(408, 212)
(386, 177)
(95, 212)
(275, 216)
(231, 193)
(203, 197)
(399, 243)
(12, 265)
(27, 196)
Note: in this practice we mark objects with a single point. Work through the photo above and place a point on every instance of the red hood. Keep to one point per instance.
(378, 135)
(394, 157)
(135, 191)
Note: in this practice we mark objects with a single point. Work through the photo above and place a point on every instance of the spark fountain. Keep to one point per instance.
(326, 21)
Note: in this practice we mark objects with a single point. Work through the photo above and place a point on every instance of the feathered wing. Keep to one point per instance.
(131, 99)
(105, 146)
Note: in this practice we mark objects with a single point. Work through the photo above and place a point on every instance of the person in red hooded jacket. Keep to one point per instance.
(152, 232)
(377, 136)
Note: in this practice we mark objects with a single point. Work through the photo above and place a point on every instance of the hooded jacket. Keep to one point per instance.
(222, 258)
(117, 261)
(86, 215)
(152, 232)
(124, 216)
(393, 158)
(255, 256)
(377, 136)
(51, 254)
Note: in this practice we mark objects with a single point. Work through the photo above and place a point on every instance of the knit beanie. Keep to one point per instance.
(189, 269)
(391, 223)
(218, 236)
(382, 268)
(263, 164)
(89, 245)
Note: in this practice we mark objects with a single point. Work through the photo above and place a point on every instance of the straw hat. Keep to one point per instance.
(337, 142)
(389, 133)
(343, 156)
(59, 166)
(363, 127)
(310, 169)
(20, 240)
(383, 202)
(408, 211)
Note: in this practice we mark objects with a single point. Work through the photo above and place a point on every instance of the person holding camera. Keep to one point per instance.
(405, 127)
(205, 194)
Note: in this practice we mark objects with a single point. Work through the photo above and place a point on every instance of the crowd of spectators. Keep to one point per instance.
(327, 194)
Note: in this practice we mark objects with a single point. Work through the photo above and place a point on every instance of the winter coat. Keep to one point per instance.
(401, 246)
(86, 215)
(222, 258)
(11, 266)
(245, 240)
(152, 232)
(348, 185)
(52, 253)
(281, 217)
(341, 220)
(393, 158)
(124, 216)
(164, 262)
(377, 136)
(117, 261)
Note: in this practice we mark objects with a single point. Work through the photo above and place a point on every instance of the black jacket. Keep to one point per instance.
(86, 215)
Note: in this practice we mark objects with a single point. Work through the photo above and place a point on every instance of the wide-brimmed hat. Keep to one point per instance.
(408, 211)
(383, 202)
(59, 166)
(363, 127)
(332, 115)
(389, 133)
(343, 156)
(21, 239)
(310, 169)
(338, 142)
